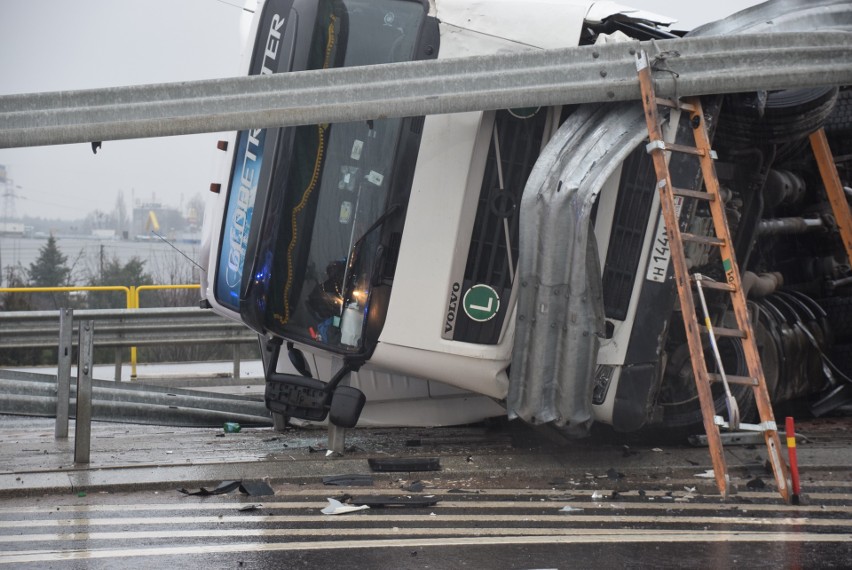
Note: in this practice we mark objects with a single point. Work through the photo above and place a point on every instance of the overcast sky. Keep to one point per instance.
(54, 45)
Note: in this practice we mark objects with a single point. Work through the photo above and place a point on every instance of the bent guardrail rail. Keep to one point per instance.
(586, 74)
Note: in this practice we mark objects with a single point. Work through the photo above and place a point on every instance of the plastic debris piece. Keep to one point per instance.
(755, 484)
(379, 501)
(597, 496)
(570, 509)
(657, 449)
(709, 474)
(254, 488)
(351, 480)
(335, 507)
(689, 489)
(250, 507)
(613, 474)
(627, 452)
(405, 464)
(232, 427)
(414, 487)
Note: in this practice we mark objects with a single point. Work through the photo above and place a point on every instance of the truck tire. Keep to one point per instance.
(788, 116)
(681, 408)
(838, 126)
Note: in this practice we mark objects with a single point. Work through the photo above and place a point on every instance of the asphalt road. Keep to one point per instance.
(501, 498)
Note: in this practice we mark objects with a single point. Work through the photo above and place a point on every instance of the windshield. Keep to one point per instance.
(338, 185)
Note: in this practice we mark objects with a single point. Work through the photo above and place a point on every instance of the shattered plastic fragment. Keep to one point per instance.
(613, 474)
(707, 474)
(350, 480)
(596, 496)
(246, 487)
(755, 484)
(335, 507)
(570, 509)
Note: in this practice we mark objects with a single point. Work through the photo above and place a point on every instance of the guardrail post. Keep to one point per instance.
(236, 361)
(63, 373)
(83, 424)
(118, 363)
(133, 303)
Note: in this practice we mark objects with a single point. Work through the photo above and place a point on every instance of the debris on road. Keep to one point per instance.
(335, 507)
(383, 501)
(351, 480)
(393, 464)
(252, 488)
(414, 487)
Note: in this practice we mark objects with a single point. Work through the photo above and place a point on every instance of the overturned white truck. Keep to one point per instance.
(450, 268)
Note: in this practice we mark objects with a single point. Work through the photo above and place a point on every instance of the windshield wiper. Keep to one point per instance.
(392, 209)
(379, 221)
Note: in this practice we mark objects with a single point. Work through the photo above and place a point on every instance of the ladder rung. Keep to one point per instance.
(744, 380)
(697, 194)
(717, 285)
(706, 240)
(718, 331)
(763, 426)
(675, 104)
(663, 145)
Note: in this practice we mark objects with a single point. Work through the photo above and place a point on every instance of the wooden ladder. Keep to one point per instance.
(833, 189)
(658, 149)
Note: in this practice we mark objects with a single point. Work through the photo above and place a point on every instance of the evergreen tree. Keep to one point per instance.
(114, 273)
(51, 268)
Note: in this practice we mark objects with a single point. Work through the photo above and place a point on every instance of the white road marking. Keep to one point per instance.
(578, 537)
(519, 517)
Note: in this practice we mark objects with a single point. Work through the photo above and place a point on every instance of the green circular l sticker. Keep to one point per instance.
(481, 303)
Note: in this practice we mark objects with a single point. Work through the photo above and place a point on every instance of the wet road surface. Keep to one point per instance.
(502, 499)
(587, 526)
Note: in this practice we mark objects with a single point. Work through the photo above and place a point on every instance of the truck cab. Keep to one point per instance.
(401, 261)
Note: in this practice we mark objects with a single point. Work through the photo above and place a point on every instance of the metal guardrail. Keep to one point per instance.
(131, 294)
(122, 327)
(688, 66)
(110, 328)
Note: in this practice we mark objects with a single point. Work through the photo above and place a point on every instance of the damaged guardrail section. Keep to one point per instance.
(696, 66)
